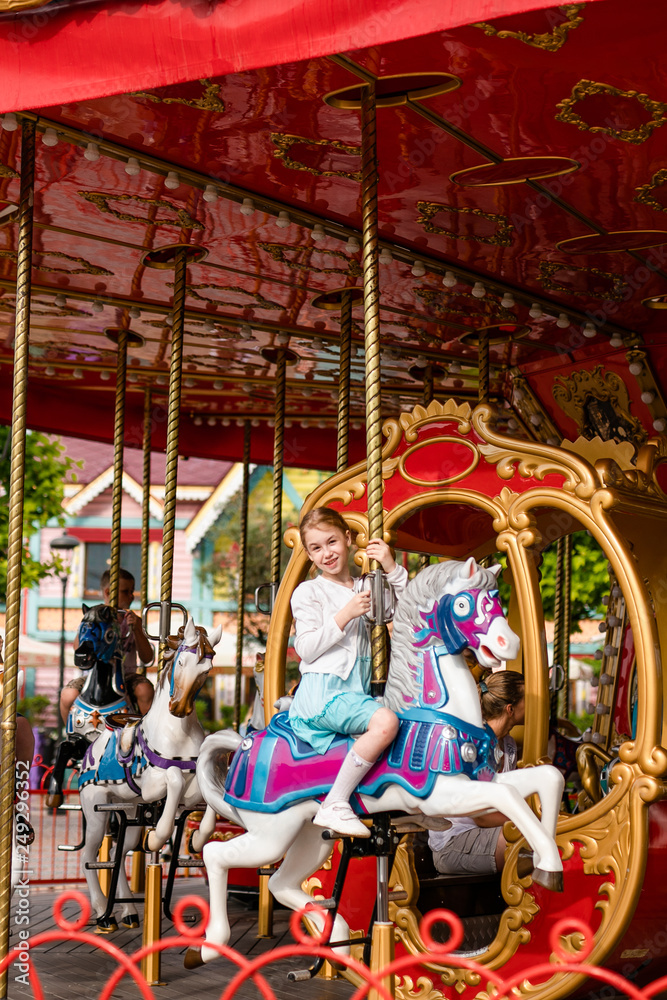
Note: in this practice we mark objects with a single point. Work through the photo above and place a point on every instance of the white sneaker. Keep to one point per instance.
(340, 818)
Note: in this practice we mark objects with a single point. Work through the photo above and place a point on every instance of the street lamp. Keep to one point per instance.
(63, 546)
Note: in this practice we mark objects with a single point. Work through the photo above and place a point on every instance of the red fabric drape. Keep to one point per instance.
(53, 55)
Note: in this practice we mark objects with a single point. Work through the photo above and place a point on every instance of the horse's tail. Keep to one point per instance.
(212, 767)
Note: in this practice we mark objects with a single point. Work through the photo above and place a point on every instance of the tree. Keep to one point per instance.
(46, 469)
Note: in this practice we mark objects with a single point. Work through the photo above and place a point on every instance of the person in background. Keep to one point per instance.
(477, 846)
(136, 649)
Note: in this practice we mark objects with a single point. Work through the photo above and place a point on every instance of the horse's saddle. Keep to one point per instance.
(273, 768)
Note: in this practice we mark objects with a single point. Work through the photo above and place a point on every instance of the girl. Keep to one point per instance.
(477, 846)
(333, 695)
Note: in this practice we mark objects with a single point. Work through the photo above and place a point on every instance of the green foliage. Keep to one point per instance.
(33, 708)
(45, 473)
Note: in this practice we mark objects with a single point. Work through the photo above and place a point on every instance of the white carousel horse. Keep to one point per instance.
(275, 782)
(147, 761)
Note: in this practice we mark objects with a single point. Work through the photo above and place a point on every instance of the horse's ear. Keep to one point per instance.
(469, 568)
(496, 570)
(190, 632)
(85, 609)
(215, 636)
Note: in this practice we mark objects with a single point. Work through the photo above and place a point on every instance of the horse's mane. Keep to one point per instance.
(427, 587)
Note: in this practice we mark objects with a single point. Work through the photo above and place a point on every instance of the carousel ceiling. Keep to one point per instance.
(522, 190)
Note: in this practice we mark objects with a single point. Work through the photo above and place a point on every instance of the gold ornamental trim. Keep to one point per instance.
(643, 192)
(429, 209)
(446, 480)
(6, 171)
(588, 88)
(85, 267)
(589, 395)
(182, 219)
(279, 251)
(420, 415)
(261, 303)
(210, 99)
(548, 41)
(549, 268)
(284, 142)
(16, 5)
(444, 304)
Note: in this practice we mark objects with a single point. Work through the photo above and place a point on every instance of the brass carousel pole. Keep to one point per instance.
(177, 256)
(369, 207)
(15, 527)
(559, 628)
(345, 365)
(278, 447)
(428, 393)
(567, 622)
(118, 447)
(240, 610)
(382, 943)
(483, 367)
(146, 495)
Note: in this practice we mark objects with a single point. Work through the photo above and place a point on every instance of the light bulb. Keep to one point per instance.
(218, 385)
(563, 321)
(648, 396)
(317, 232)
(209, 325)
(512, 424)
(507, 301)
(98, 306)
(189, 383)
(210, 194)
(247, 206)
(455, 368)
(418, 269)
(50, 137)
(161, 380)
(60, 300)
(636, 368)
(553, 442)
(105, 375)
(210, 421)
(169, 320)
(49, 370)
(132, 166)
(589, 330)
(9, 122)
(133, 377)
(386, 256)
(536, 419)
(135, 313)
(92, 152)
(283, 220)
(659, 424)
(77, 373)
(478, 290)
(535, 311)
(352, 245)
(172, 180)
(197, 421)
(449, 280)
(616, 340)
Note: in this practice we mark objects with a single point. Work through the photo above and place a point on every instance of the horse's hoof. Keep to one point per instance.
(525, 864)
(550, 880)
(54, 800)
(193, 959)
(131, 921)
(106, 926)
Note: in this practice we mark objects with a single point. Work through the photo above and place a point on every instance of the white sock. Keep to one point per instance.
(352, 770)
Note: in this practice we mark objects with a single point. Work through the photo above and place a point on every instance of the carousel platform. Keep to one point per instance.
(71, 968)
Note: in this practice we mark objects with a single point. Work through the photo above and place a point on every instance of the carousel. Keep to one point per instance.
(423, 251)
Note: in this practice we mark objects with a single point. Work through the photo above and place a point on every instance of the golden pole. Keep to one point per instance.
(428, 389)
(369, 206)
(118, 445)
(345, 364)
(567, 616)
(146, 496)
(559, 625)
(104, 854)
(240, 608)
(265, 907)
(278, 446)
(483, 384)
(171, 470)
(15, 528)
(150, 964)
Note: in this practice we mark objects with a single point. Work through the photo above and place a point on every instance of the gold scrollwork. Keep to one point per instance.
(279, 253)
(446, 480)
(643, 192)
(550, 41)
(182, 219)
(549, 268)
(86, 268)
(429, 209)
(257, 297)
(284, 143)
(599, 404)
(6, 171)
(589, 88)
(209, 101)
(444, 304)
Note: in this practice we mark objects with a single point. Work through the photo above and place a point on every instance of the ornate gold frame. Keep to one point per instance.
(549, 268)
(209, 101)
(596, 492)
(549, 41)
(586, 88)
(429, 209)
(643, 192)
(284, 142)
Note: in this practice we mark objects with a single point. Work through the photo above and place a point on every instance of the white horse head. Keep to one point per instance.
(189, 668)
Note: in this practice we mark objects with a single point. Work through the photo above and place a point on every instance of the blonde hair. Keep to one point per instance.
(322, 517)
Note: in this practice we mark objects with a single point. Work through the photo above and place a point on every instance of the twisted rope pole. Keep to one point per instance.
(559, 624)
(483, 364)
(15, 528)
(118, 447)
(567, 619)
(369, 212)
(146, 495)
(240, 609)
(171, 469)
(428, 393)
(278, 447)
(345, 366)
